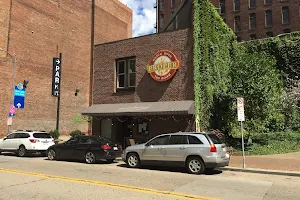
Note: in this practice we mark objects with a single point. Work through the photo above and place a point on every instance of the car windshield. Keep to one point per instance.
(41, 135)
(215, 139)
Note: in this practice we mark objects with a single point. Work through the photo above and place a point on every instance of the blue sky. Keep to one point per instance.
(144, 16)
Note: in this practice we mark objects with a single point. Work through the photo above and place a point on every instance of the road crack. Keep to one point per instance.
(26, 183)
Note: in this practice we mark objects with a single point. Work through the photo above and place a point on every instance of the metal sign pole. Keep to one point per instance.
(243, 146)
(241, 118)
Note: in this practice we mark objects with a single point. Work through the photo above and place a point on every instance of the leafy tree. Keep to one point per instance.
(255, 78)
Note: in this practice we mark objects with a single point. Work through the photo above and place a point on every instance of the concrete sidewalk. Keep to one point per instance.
(283, 162)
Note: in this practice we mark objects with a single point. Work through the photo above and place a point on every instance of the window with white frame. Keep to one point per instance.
(252, 21)
(236, 5)
(252, 3)
(172, 3)
(268, 18)
(126, 73)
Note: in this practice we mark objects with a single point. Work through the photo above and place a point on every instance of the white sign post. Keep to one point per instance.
(241, 118)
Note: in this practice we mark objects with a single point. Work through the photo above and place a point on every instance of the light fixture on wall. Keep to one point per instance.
(76, 91)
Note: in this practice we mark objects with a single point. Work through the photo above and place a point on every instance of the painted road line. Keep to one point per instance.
(111, 185)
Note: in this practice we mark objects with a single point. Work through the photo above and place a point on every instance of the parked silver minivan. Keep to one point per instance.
(195, 151)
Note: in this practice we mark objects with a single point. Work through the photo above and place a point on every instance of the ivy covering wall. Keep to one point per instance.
(213, 45)
(265, 72)
(285, 50)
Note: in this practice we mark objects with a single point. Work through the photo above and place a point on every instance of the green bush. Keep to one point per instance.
(55, 134)
(270, 143)
(76, 132)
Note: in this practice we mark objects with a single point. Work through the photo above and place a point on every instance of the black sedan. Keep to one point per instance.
(87, 148)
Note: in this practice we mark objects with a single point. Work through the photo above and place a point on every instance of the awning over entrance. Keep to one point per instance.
(142, 108)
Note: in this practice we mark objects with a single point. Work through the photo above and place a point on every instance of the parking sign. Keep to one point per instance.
(240, 109)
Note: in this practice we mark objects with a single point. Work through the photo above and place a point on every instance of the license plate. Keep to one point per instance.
(116, 148)
(44, 141)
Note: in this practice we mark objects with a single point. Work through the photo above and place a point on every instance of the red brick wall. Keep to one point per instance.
(113, 21)
(37, 28)
(244, 12)
(260, 9)
(147, 90)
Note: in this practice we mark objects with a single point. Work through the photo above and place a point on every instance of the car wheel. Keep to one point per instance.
(110, 160)
(195, 165)
(90, 157)
(51, 154)
(133, 160)
(22, 151)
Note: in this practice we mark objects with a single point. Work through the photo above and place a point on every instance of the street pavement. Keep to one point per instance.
(38, 178)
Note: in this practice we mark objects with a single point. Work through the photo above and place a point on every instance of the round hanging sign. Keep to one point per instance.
(163, 65)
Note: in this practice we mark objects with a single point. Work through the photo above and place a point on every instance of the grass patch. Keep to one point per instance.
(268, 143)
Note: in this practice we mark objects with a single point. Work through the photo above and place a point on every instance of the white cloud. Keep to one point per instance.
(144, 16)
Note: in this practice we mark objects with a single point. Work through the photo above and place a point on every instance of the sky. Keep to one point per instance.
(144, 16)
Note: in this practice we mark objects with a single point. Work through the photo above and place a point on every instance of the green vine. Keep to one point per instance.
(213, 46)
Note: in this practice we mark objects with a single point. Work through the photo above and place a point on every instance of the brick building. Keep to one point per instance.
(36, 31)
(250, 19)
(143, 86)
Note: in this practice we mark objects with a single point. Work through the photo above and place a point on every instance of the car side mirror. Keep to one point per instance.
(4, 138)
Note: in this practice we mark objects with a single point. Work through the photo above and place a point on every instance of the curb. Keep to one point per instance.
(262, 171)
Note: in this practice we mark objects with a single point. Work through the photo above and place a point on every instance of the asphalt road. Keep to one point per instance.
(37, 178)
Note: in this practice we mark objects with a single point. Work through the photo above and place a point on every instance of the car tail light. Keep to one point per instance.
(106, 147)
(121, 147)
(213, 148)
(32, 140)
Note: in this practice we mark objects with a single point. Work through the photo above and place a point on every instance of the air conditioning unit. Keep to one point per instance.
(154, 5)
(155, 25)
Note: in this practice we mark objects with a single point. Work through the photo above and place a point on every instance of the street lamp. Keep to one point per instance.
(14, 59)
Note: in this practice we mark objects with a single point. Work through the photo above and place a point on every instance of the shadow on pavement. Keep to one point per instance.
(80, 161)
(31, 155)
(172, 169)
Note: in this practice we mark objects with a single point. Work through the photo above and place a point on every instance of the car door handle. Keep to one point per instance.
(160, 148)
(182, 148)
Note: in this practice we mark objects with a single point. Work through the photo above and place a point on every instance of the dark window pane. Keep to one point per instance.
(11, 136)
(237, 5)
(252, 3)
(132, 80)
(162, 140)
(215, 139)
(237, 23)
(41, 135)
(285, 15)
(222, 6)
(194, 140)
(252, 20)
(121, 67)
(121, 81)
(73, 140)
(132, 67)
(84, 140)
(178, 139)
(269, 18)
